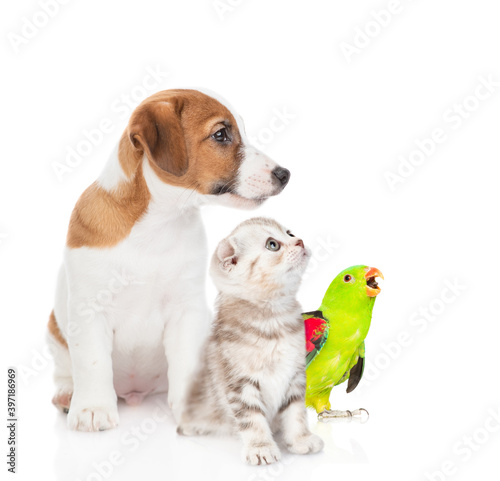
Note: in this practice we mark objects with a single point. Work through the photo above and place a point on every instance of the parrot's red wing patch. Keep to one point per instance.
(316, 330)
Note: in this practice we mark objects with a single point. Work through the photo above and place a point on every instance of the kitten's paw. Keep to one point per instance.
(307, 444)
(262, 453)
(190, 430)
(93, 418)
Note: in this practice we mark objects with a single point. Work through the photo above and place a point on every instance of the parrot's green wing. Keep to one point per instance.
(356, 372)
(316, 330)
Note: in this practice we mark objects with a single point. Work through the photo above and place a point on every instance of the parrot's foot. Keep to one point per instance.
(359, 415)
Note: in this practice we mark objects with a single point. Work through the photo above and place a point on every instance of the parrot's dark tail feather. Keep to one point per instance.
(355, 375)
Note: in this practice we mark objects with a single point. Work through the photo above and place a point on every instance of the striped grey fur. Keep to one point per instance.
(252, 373)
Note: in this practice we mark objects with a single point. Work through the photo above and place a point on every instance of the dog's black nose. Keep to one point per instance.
(282, 174)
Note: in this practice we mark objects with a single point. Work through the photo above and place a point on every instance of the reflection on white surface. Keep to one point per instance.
(145, 443)
(340, 445)
(146, 446)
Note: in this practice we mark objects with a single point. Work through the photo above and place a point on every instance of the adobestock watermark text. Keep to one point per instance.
(223, 7)
(419, 321)
(465, 448)
(31, 25)
(280, 120)
(120, 109)
(365, 34)
(453, 118)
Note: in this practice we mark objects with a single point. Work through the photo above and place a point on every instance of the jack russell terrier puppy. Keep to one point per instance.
(130, 313)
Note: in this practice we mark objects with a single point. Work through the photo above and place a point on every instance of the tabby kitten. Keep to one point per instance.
(252, 375)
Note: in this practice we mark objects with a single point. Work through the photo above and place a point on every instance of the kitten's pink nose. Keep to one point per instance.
(300, 243)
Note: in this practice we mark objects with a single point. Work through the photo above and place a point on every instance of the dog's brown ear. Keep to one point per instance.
(155, 128)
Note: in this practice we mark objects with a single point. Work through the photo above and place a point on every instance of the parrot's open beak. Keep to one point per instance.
(372, 288)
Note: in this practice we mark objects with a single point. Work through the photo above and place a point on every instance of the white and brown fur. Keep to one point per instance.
(252, 379)
(130, 311)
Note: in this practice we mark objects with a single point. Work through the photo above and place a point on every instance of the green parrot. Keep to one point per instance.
(335, 336)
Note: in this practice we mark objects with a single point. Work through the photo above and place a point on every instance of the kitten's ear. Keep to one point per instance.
(226, 253)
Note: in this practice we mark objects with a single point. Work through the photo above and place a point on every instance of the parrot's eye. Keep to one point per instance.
(272, 244)
(347, 278)
(289, 233)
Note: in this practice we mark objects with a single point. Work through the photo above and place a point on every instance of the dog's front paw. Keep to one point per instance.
(310, 443)
(98, 418)
(262, 453)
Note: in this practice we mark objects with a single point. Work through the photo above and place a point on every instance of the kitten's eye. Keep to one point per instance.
(289, 233)
(272, 245)
(347, 278)
(221, 135)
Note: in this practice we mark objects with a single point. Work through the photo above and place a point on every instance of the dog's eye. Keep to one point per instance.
(289, 233)
(272, 245)
(221, 135)
(347, 278)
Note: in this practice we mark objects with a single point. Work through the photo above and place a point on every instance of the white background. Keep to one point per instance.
(352, 120)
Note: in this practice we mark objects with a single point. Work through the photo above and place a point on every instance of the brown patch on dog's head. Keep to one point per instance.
(190, 139)
(156, 130)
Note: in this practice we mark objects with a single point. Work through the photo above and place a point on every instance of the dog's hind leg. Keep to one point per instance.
(63, 378)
